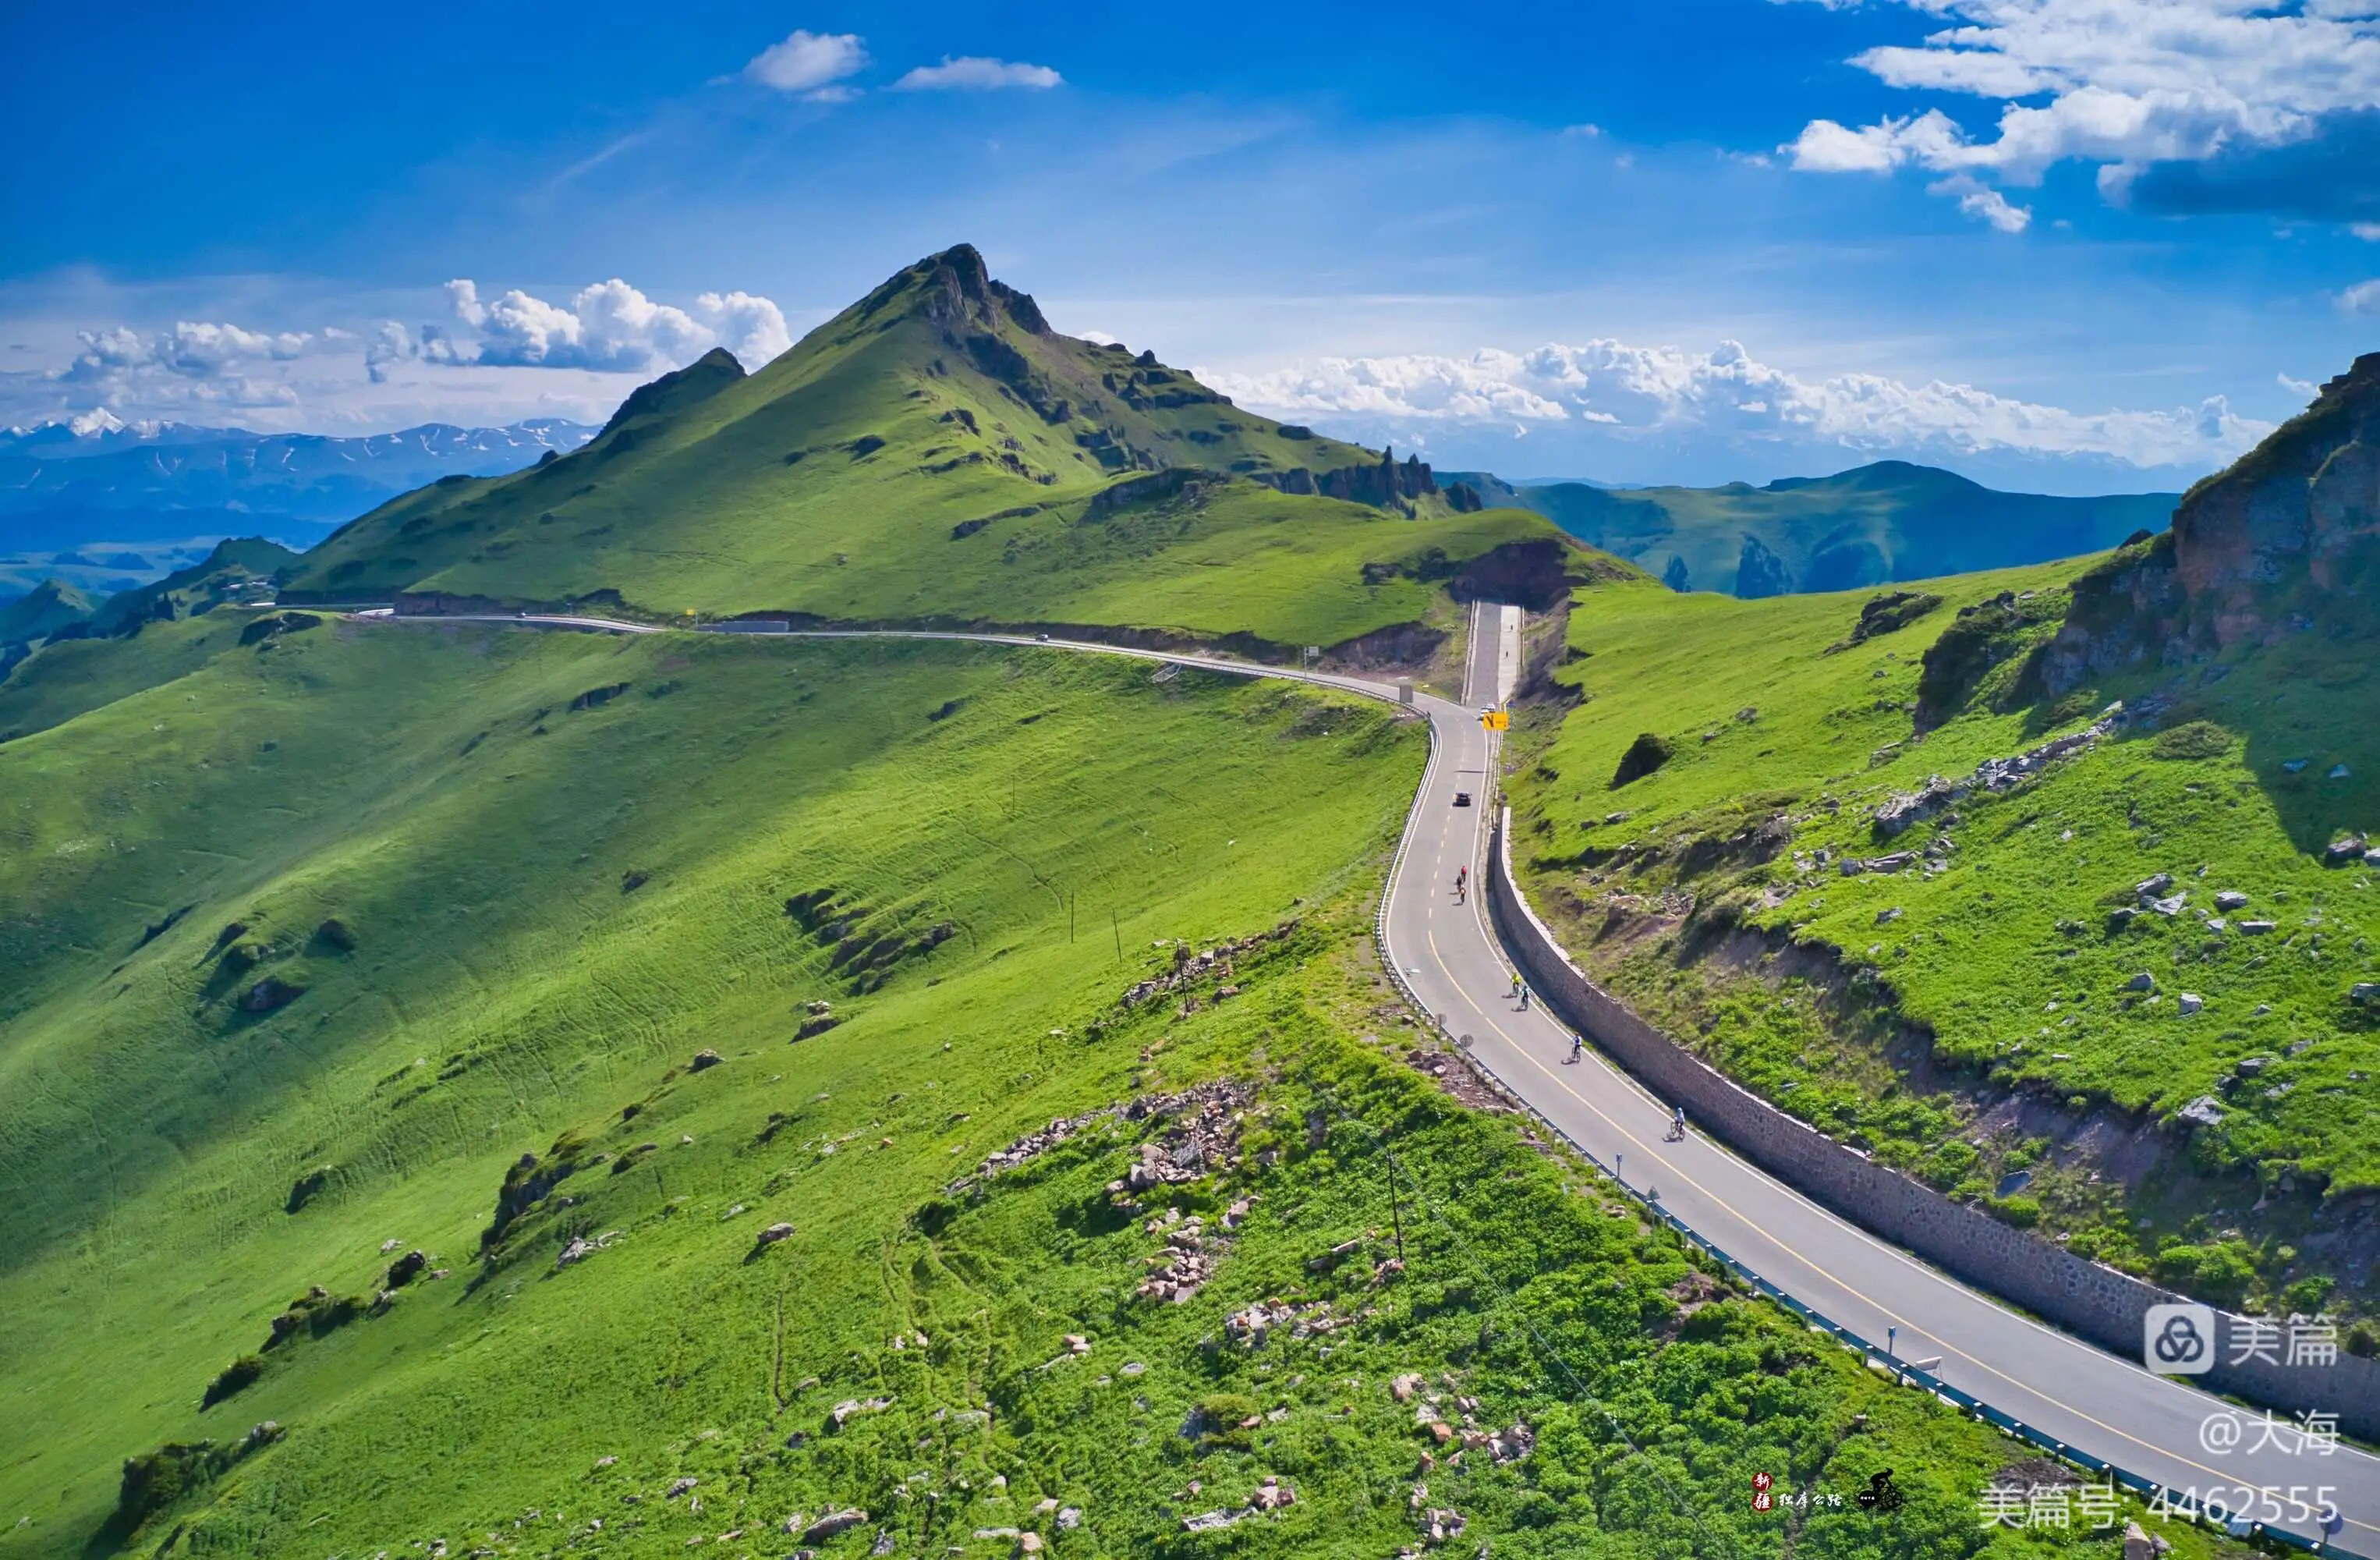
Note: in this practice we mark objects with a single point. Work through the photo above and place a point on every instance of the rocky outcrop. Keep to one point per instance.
(1760, 572)
(1383, 485)
(2288, 536)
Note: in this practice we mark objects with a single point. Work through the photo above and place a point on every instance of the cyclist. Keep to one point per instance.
(1677, 1124)
(1577, 1046)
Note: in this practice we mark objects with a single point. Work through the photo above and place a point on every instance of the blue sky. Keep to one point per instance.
(2078, 245)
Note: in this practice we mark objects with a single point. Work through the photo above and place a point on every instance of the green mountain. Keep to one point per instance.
(471, 1091)
(1869, 525)
(936, 453)
(237, 569)
(2049, 885)
(43, 611)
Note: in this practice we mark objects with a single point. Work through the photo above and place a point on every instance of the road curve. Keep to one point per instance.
(1450, 958)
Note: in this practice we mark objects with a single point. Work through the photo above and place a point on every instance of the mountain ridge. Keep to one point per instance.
(1886, 521)
(936, 452)
(148, 483)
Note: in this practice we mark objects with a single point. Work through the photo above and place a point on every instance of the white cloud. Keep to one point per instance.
(976, 73)
(1646, 392)
(2362, 298)
(2367, 231)
(609, 327)
(2303, 389)
(1981, 200)
(2127, 83)
(195, 366)
(194, 351)
(751, 327)
(811, 63)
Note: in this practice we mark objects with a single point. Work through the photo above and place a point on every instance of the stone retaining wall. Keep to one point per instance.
(2094, 1302)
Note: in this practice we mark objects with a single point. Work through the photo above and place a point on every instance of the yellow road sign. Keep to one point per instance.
(1495, 720)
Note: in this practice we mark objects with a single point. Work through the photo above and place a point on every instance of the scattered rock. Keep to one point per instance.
(1189, 968)
(1403, 1387)
(2204, 1111)
(704, 1060)
(403, 1270)
(773, 1234)
(2256, 928)
(2252, 1066)
(2230, 899)
(1272, 1495)
(2364, 991)
(2144, 982)
(1886, 917)
(2344, 852)
(2151, 887)
(834, 1522)
(851, 1409)
(678, 1487)
(2190, 1002)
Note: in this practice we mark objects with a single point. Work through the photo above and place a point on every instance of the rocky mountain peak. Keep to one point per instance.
(2299, 513)
(957, 291)
(2285, 540)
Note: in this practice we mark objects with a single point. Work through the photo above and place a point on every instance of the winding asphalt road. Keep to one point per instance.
(1451, 960)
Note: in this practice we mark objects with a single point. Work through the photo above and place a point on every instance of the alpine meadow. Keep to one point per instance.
(910, 934)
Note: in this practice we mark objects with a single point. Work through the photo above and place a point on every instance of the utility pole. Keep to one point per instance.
(1117, 927)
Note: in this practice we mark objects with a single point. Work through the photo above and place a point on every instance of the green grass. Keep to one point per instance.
(548, 911)
(2005, 959)
(893, 467)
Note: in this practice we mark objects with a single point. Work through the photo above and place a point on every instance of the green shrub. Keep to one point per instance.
(2220, 1273)
(1222, 1418)
(2022, 1211)
(1644, 755)
(237, 1376)
(2194, 739)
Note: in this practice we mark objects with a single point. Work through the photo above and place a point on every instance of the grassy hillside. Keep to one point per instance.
(1969, 1012)
(353, 942)
(43, 611)
(1887, 521)
(936, 452)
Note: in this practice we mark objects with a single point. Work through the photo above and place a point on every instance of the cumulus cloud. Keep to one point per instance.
(750, 326)
(1651, 392)
(609, 327)
(2362, 298)
(193, 350)
(976, 73)
(194, 366)
(811, 63)
(2142, 88)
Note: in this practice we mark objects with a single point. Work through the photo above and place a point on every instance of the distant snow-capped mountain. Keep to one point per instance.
(100, 479)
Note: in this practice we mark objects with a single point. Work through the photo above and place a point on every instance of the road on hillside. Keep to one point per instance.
(1451, 958)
